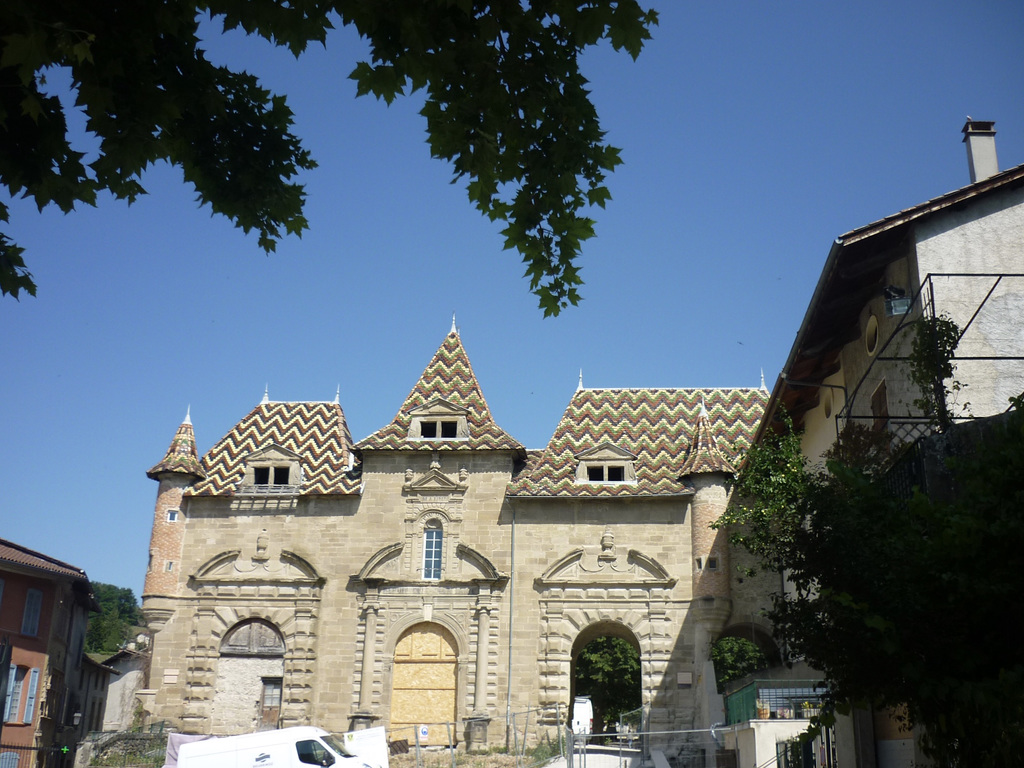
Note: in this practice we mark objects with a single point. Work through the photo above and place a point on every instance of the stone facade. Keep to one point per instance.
(436, 572)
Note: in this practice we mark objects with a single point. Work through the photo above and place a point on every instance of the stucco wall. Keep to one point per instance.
(986, 237)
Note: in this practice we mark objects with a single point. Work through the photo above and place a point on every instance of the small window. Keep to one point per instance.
(172, 515)
(170, 566)
(606, 473)
(712, 564)
(699, 562)
(33, 608)
(447, 429)
(272, 476)
(433, 538)
(871, 335)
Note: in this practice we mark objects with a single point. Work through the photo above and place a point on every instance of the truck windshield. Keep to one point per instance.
(334, 744)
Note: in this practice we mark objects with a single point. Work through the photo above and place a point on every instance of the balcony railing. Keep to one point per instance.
(774, 700)
(269, 490)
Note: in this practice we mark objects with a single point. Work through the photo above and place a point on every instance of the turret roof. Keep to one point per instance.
(449, 377)
(660, 427)
(181, 457)
(704, 454)
(316, 431)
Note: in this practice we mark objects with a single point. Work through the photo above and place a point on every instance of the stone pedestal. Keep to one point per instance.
(476, 733)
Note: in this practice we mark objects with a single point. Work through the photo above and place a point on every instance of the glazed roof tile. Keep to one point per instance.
(658, 426)
(449, 376)
(181, 457)
(15, 554)
(317, 432)
(704, 454)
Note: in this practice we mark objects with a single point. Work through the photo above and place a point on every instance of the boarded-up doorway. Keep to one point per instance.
(423, 684)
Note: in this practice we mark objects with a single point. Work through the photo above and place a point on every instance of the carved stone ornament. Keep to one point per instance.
(593, 564)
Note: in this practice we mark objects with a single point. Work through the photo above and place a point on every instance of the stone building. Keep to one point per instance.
(437, 571)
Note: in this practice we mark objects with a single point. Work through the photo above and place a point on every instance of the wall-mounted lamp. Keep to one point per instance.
(896, 301)
(76, 719)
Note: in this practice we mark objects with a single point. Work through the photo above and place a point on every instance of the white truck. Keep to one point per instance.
(285, 748)
(582, 716)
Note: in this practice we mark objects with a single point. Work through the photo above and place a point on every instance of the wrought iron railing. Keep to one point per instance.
(774, 700)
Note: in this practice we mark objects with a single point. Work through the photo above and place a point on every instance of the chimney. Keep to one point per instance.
(980, 138)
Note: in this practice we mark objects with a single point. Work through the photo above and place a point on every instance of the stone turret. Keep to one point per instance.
(178, 470)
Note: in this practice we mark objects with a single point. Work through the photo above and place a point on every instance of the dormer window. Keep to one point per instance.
(605, 464)
(439, 420)
(610, 473)
(445, 429)
(272, 470)
(271, 475)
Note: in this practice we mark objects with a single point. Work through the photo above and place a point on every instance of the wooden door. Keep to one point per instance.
(270, 704)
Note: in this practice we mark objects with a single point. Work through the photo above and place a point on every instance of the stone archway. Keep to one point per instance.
(424, 678)
(615, 694)
(250, 674)
(604, 589)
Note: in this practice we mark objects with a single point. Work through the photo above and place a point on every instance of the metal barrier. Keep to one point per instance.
(12, 756)
(627, 748)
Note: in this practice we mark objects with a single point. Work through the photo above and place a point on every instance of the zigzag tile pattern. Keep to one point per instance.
(317, 432)
(449, 376)
(659, 426)
(704, 454)
(181, 457)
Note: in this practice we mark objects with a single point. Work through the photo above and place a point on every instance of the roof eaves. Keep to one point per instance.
(858, 236)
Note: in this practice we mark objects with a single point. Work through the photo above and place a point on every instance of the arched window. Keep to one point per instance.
(433, 539)
(253, 638)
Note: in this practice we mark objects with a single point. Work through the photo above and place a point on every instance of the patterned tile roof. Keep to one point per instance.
(181, 456)
(658, 426)
(317, 432)
(450, 377)
(704, 454)
(15, 554)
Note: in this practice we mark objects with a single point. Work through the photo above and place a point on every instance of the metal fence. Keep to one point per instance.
(774, 700)
(12, 756)
(635, 749)
(455, 744)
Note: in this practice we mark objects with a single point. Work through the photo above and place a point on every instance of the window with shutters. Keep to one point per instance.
(20, 704)
(33, 608)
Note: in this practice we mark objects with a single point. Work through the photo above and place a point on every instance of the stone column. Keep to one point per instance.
(483, 636)
(369, 647)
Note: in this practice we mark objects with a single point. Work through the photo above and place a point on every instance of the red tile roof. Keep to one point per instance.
(16, 554)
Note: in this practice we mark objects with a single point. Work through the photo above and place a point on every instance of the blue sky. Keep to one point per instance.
(753, 134)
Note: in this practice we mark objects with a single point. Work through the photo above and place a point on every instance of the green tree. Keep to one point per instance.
(608, 671)
(735, 657)
(119, 614)
(903, 603)
(505, 103)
